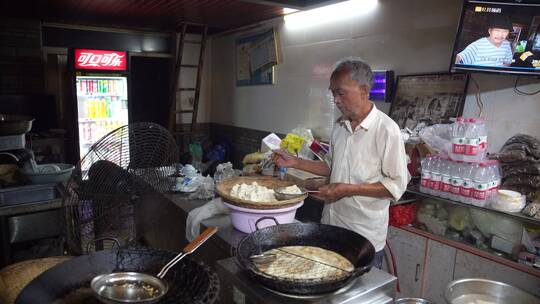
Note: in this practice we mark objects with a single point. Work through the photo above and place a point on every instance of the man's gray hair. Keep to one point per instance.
(358, 70)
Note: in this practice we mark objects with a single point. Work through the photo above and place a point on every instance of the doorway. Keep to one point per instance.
(150, 86)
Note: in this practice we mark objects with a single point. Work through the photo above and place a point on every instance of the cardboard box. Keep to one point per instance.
(305, 179)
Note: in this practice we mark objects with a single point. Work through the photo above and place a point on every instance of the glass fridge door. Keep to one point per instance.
(102, 104)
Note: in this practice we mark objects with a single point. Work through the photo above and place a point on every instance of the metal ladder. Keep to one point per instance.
(183, 137)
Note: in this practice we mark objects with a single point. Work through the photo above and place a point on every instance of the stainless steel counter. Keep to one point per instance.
(374, 287)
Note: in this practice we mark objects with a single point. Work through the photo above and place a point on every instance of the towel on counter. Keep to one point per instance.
(197, 215)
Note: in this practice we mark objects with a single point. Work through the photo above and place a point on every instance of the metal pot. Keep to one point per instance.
(351, 245)
(135, 287)
(487, 290)
(15, 124)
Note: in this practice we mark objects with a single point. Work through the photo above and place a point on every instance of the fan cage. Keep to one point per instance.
(126, 167)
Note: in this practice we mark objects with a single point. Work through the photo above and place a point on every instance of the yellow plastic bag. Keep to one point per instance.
(292, 143)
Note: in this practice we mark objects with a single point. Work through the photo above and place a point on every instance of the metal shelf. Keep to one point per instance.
(415, 190)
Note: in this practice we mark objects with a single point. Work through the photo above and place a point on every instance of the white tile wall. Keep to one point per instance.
(407, 36)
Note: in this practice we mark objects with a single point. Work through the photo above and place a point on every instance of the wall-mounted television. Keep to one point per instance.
(383, 84)
(499, 36)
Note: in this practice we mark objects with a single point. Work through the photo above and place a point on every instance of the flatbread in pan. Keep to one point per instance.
(305, 263)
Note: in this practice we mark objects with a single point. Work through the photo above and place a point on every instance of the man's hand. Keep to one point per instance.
(333, 192)
(284, 159)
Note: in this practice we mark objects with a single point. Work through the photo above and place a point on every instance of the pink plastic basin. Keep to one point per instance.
(244, 219)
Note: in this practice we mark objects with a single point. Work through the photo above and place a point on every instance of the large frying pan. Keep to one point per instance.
(356, 248)
(69, 282)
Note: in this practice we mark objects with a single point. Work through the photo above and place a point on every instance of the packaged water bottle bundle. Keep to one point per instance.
(466, 182)
(469, 140)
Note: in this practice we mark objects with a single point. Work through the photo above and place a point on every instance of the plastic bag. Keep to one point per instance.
(526, 180)
(520, 169)
(508, 156)
(306, 134)
(531, 209)
(253, 158)
(530, 141)
(529, 192)
(521, 147)
(197, 215)
(224, 171)
(438, 137)
(506, 227)
(205, 188)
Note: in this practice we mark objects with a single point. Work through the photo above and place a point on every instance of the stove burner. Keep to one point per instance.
(313, 296)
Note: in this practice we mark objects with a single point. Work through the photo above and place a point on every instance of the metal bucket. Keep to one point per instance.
(461, 291)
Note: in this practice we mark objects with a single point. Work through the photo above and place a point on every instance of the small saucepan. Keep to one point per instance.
(134, 287)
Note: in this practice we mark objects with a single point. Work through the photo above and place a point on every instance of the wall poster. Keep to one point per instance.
(430, 98)
(256, 56)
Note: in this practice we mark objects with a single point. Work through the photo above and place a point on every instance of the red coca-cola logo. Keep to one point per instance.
(100, 60)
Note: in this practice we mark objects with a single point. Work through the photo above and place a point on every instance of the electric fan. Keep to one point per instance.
(127, 166)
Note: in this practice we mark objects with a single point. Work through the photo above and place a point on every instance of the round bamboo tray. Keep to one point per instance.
(223, 189)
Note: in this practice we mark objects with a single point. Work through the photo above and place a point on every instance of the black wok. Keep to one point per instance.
(351, 245)
(69, 282)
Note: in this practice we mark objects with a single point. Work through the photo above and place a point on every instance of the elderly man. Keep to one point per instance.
(368, 160)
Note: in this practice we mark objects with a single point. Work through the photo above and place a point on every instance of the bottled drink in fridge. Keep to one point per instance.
(112, 86)
(458, 139)
(426, 174)
(94, 132)
(466, 190)
(481, 186)
(88, 131)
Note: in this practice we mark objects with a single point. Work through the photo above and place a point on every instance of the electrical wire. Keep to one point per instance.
(478, 97)
(522, 93)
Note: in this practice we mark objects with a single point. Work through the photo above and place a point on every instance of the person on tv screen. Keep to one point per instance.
(493, 50)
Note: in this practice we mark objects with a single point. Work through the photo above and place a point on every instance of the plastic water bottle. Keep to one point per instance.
(466, 190)
(457, 181)
(446, 175)
(471, 141)
(494, 178)
(481, 186)
(458, 139)
(426, 174)
(281, 173)
(435, 182)
(482, 139)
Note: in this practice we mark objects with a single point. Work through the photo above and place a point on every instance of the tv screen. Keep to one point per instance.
(498, 36)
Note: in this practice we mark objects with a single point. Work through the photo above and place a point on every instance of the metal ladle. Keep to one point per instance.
(282, 196)
(135, 287)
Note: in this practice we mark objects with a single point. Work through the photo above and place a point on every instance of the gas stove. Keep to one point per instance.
(374, 287)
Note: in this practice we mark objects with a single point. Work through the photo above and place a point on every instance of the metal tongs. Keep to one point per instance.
(267, 258)
(263, 258)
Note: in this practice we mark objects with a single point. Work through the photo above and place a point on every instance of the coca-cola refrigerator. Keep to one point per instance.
(102, 94)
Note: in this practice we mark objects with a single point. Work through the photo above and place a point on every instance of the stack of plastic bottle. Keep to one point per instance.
(466, 176)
